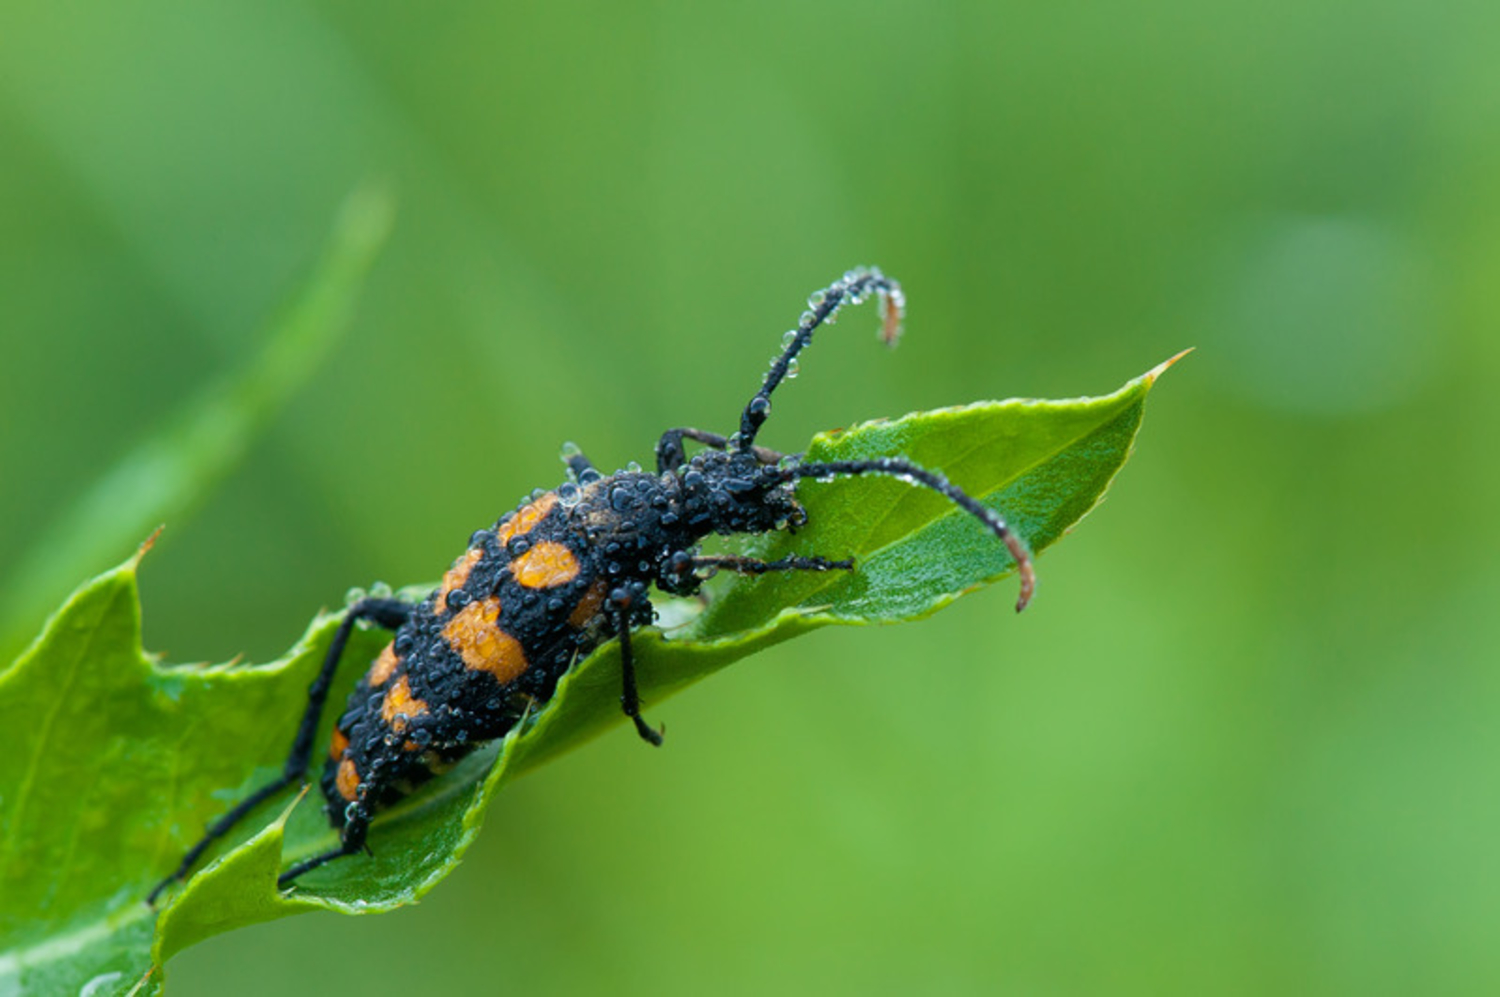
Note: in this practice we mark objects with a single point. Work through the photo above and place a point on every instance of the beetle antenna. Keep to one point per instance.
(912, 474)
(823, 306)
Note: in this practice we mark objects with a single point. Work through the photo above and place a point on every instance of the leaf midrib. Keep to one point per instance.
(61, 945)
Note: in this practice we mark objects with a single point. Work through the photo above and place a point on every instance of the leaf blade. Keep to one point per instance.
(171, 729)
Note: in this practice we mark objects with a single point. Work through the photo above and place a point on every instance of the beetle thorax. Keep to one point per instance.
(730, 493)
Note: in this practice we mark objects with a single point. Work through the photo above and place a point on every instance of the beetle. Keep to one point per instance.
(548, 583)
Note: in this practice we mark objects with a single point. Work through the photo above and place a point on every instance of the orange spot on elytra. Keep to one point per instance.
(588, 606)
(338, 744)
(526, 518)
(455, 578)
(347, 780)
(400, 706)
(546, 565)
(384, 666)
(474, 634)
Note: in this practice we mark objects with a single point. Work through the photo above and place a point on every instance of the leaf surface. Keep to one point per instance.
(118, 762)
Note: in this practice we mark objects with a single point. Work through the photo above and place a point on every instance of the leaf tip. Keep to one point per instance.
(146, 545)
(1161, 368)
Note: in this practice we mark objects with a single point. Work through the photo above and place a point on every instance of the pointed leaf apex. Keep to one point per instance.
(146, 545)
(1161, 368)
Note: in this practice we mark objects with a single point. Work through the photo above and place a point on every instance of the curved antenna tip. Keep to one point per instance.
(1023, 568)
(1028, 585)
(892, 312)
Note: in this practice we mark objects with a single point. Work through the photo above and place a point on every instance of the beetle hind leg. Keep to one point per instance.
(355, 829)
(387, 613)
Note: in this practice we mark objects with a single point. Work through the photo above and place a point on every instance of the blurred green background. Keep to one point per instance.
(1243, 741)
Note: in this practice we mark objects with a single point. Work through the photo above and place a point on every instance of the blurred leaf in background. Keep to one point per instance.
(1242, 746)
(175, 467)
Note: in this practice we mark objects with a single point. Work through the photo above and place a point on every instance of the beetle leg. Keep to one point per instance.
(387, 613)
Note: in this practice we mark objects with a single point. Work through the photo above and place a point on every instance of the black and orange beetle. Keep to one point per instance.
(549, 582)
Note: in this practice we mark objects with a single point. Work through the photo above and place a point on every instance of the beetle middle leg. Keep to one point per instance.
(626, 605)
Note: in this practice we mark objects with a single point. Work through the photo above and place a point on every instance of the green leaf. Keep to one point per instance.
(115, 762)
